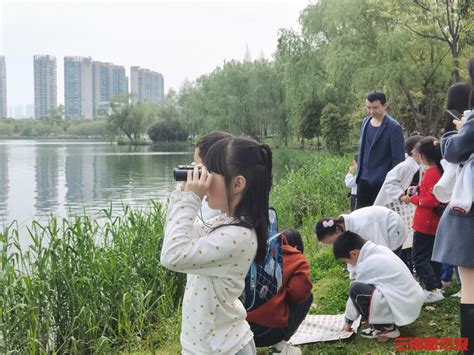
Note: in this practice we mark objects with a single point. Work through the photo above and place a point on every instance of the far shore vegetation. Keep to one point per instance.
(313, 88)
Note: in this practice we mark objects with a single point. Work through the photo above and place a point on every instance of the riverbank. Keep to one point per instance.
(84, 287)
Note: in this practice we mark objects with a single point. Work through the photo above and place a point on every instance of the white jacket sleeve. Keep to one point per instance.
(350, 180)
(351, 312)
(393, 182)
(185, 251)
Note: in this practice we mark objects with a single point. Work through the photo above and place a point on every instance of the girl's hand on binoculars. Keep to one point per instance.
(198, 184)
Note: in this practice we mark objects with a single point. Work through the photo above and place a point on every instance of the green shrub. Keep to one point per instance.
(316, 189)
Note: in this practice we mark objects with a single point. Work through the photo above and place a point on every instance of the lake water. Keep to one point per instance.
(61, 178)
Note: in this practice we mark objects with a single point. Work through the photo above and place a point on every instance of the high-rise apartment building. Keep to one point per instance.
(45, 84)
(3, 87)
(109, 83)
(146, 85)
(78, 93)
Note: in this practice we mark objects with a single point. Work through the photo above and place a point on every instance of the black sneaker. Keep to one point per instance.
(381, 335)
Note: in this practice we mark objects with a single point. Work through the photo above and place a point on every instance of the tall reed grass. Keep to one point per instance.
(82, 287)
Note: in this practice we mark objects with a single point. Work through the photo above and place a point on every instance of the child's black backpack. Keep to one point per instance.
(263, 281)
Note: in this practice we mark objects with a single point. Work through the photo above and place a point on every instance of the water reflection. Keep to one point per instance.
(47, 178)
(4, 183)
(39, 179)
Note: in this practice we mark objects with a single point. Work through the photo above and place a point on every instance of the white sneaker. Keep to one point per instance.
(457, 294)
(433, 296)
(446, 284)
(284, 348)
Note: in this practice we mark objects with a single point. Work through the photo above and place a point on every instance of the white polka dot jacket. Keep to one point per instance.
(216, 262)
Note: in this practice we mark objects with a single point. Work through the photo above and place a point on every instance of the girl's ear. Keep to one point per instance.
(238, 184)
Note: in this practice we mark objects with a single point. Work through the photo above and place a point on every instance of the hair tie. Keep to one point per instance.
(435, 143)
(327, 224)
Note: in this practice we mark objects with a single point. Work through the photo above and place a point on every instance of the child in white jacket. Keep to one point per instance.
(384, 292)
(350, 181)
(216, 254)
(400, 177)
(375, 223)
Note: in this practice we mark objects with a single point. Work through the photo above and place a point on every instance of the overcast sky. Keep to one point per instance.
(180, 39)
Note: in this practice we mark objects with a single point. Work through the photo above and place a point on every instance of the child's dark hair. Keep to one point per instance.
(293, 238)
(345, 243)
(411, 142)
(377, 96)
(430, 149)
(231, 157)
(327, 226)
(356, 158)
(207, 140)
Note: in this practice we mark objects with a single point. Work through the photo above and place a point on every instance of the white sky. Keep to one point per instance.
(180, 39)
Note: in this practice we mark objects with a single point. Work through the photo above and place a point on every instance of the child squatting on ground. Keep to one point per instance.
(216, 254)
(384, 291)
(275, 322)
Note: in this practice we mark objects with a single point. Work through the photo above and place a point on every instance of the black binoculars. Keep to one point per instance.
(181, 172)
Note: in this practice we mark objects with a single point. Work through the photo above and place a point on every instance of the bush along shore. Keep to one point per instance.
(87, 287)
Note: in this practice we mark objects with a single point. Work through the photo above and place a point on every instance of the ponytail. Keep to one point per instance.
(430, 149)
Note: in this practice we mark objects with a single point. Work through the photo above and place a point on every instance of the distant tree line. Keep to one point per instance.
(316, 83)
(314, 86)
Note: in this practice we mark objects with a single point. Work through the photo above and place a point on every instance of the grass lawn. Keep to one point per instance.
(331, 282)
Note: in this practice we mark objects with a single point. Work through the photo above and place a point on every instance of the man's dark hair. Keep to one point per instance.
(207, 140)
(377, 96)
(345, 243)
(411, 142)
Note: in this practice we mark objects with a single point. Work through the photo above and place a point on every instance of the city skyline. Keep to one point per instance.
(181, 40)
(89, 87)
(116, 86)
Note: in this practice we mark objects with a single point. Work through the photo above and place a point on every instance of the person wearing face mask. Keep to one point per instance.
(401, 176)
(393, 193)
(384, 293)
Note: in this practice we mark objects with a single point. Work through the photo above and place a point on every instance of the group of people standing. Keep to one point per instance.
(217, 224)
(436, 177)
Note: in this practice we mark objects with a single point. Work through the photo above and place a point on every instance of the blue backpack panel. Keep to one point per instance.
(263, 281)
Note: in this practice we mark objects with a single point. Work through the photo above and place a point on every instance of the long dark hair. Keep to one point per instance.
(460, 97)
(231, 157)
(430, 149)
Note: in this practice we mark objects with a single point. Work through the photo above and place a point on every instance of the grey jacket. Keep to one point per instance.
(454, 242)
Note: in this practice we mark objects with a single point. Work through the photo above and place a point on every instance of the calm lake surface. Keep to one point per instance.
(67, 178)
